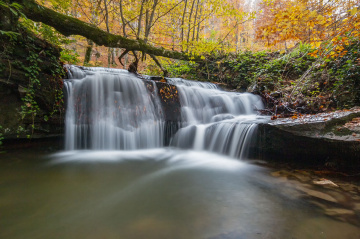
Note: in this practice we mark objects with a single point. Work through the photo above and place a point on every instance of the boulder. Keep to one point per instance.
(327, 140)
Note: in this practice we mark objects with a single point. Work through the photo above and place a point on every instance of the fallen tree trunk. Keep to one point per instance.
(67, 26)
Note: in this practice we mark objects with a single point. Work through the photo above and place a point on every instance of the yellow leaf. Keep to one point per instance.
(353, 11)
(315, 44)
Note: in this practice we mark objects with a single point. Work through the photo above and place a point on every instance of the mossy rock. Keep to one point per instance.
(21, 58)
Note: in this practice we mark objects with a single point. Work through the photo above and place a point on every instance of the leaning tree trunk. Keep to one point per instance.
(67, 26)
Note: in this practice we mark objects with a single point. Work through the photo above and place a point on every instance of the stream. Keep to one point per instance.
(117, 178)
(153, 194)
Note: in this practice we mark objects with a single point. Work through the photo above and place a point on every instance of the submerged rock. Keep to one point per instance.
(339, 200)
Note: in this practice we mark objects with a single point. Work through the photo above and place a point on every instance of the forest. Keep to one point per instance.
(181, 119)
(306, 51)
(301, 56)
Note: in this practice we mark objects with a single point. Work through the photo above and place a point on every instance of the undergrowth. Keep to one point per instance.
(291, 83)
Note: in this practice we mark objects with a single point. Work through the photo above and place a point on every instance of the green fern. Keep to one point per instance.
(3, 4)
(15, 8)
(10, 34)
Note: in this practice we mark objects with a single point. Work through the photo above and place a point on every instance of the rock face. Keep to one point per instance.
(30, 87)
(170, 103)
(323, 140)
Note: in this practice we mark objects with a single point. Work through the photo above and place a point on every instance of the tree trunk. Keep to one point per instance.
(198, 26)
(123, 21)
(182, 25)
(189, 26)
(150, 21)
(195, 19)
(88, 52)
(113, 56)
(140, 18)
(67, 26)
(107, 29)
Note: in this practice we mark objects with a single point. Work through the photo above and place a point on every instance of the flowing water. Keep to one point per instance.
(110, 109)
(216, 120)
(117, 180)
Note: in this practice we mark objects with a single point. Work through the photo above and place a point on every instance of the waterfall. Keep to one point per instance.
(204, 102)
(114, 109)
(216, 120)
(111, 109)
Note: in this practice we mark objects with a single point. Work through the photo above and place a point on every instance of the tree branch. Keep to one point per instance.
(67, 26)
(159, 65)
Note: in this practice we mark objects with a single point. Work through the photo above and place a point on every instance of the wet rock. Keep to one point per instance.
(313, 141)
(319, 195)
(16, 62)
(338, 212)
(342, 214)
(357, 207)
(170, 101)
(325, 182)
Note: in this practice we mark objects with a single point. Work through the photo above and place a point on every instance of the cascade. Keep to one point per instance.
(216, 120)
(110, 109)
(114, 109)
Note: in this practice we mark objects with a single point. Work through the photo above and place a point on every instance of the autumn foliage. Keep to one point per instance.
(306, 52)
(191, 26)
(309, 21)
(208, 27)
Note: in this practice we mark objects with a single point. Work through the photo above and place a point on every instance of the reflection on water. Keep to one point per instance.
(152, 194)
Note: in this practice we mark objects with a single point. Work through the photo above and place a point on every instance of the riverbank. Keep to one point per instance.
(328, 141)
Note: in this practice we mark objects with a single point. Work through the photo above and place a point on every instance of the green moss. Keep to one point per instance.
(340, 131)
(331, 84)
(31, 86)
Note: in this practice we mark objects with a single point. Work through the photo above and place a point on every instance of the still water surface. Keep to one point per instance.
(152, 194)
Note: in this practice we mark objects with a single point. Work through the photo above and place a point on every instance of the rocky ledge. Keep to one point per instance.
(326, 140)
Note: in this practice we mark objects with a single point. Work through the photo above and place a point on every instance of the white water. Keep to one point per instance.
(203, 102)
(216, 120)
(113, 109)
(110, 109)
